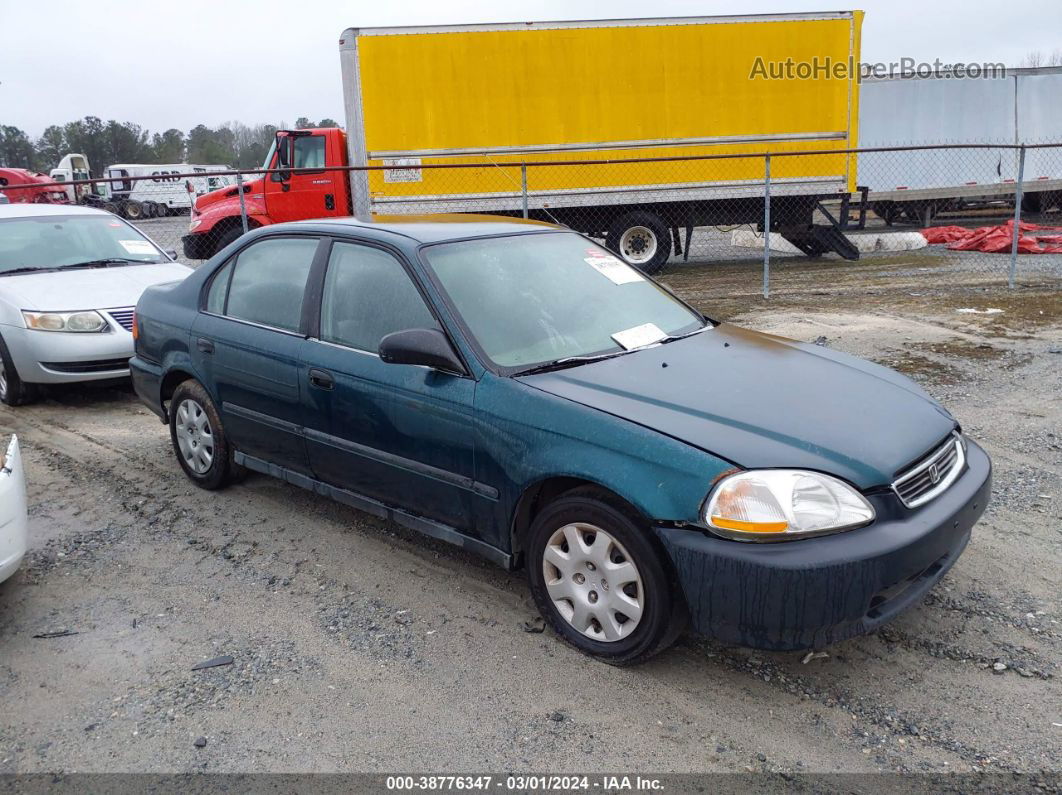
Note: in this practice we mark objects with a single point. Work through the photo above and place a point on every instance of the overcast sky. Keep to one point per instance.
(178, 63)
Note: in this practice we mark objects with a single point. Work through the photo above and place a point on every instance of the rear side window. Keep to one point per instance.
(269, 280)
(219, 290)
(368, 295)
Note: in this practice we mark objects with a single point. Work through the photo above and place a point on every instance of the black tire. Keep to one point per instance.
(13, 390)
(230, 235)
(663, 609)
(162, 210)
(133, 210)
(654, 236)
(1033, 203)
(110, 207)
(222, 469)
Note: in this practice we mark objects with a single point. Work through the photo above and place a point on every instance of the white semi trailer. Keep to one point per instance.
(161, 189)
(1021, 108)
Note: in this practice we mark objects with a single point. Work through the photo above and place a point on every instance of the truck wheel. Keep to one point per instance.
(599, 581)
(1032, 203)
(228, 236)
(642, 239)
(133, 210)
(110, 207)
(162, 210)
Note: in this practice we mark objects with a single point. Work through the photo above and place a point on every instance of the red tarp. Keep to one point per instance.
(998, 239)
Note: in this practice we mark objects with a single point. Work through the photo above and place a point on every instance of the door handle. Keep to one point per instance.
(330, 201)
(204, 346)
(321, 379)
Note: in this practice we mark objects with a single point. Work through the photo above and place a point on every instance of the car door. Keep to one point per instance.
(399, 433)
(247, 341)
(293, 195)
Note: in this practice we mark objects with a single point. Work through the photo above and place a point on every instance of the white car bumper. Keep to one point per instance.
(12, 511)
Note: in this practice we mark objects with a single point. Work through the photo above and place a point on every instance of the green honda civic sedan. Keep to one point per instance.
(517, 390)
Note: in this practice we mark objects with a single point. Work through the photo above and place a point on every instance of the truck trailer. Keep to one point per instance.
(1020, 108)
(162, 188)
(546, 93)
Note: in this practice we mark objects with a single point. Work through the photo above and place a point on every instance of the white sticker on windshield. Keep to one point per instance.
(137, 246)
(618, 271)
(639, 336)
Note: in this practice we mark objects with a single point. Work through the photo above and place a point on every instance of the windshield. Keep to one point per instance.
(56, 241)
(532, 299)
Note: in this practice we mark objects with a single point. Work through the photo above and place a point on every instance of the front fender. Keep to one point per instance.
(525, 435)
(229, 207)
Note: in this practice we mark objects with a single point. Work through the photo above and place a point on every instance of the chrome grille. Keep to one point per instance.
(932, 475)
(123, 317)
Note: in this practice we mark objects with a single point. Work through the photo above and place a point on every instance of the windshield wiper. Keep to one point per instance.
(105, 262)
(28, 269)
(673, 337)
(569, 361)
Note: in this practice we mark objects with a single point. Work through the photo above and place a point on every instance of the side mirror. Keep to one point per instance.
(283, 159)
(424, 346)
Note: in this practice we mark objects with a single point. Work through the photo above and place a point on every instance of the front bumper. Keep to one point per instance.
(56, 357)
(196, 246)
(811, 593)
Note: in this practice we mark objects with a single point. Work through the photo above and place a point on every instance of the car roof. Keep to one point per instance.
(30, 210)
(428, 228)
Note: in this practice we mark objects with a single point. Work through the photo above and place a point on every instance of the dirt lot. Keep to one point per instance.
(361, 647)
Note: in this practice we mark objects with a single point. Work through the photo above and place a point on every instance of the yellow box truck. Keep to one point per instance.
(511, 105)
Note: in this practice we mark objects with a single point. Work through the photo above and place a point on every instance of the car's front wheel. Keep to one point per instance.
(13, 390)
(198, 437)
(599, 581)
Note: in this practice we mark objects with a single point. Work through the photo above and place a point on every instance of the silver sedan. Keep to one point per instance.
(70, 277)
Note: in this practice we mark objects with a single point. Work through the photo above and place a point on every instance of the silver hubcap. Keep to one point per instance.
(194, 436)
(638, 245)
(593, 582)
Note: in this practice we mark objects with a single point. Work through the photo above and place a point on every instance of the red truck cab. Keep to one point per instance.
(27, 187)
(309, 190)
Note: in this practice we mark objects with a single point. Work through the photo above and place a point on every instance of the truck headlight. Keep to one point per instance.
(784, 504)
(65, 321)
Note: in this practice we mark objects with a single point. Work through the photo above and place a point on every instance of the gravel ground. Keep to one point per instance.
(357, 646)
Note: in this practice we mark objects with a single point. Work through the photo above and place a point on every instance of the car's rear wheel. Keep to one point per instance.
(199, 439)
(13, 390)
(599, 580)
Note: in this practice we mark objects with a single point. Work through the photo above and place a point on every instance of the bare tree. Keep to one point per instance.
(1037, 58)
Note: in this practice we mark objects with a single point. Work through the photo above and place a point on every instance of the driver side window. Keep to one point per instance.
(368, 295)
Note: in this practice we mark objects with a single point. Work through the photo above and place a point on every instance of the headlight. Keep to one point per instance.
(65, 321)
(783, 504)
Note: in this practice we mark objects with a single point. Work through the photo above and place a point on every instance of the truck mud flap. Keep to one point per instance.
(816, 240)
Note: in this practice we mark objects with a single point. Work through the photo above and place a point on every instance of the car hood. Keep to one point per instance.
(763, 401)
(87, 288)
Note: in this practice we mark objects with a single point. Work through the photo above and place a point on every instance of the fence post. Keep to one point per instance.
(767, 225)
(1017, 219)
(523, 185)
(243, 205)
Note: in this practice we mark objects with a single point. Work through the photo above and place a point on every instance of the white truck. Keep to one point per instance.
(1021, 108)
(162, 189)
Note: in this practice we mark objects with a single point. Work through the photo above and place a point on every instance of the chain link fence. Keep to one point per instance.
(746, 223)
